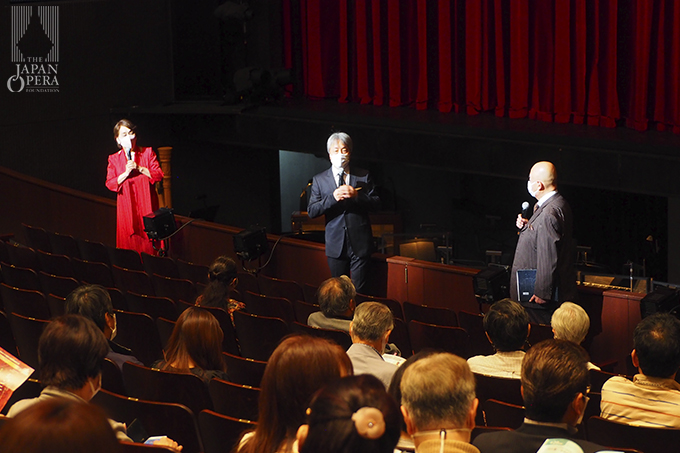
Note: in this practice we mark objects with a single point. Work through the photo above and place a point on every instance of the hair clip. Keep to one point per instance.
(369, 422)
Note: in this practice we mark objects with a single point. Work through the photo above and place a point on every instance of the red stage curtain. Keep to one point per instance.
(599, 62)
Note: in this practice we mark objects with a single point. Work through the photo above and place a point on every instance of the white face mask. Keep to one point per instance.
(580, 417)
(95, 391)
(126, 143)
(531, 192)
(114, 332)
(339, 160)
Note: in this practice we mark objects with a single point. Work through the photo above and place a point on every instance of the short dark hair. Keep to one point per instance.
(332, 427)
(91, 301)
(124, 122)
(71, 350)
(335, 295)
(656, 340)
(507, 324)
(553, 373)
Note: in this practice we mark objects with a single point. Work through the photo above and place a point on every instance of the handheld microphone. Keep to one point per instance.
(526, 212)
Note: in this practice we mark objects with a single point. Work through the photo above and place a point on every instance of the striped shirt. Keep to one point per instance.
(644, 401)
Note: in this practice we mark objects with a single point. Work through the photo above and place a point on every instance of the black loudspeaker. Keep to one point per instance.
(662, 300)
(160, 224)
(250, 244)
(492, 284)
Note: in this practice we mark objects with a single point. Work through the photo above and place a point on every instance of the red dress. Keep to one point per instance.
(136, 197)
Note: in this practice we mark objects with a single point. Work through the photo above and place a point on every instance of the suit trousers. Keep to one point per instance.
(351, 265)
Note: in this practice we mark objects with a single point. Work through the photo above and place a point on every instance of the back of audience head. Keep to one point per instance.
(372, 322)
(223, 277)
(59, 425)
(570, 322)
(439, 392)
(94, 303)
(554, 375)
(336, 296)
(507, 325)
(656, 343)
(353, 414)
(197, 337)
(297, 368)
(71, 353)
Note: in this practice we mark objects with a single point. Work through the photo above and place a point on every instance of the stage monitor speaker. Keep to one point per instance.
(160, 224)
(492, 284)
(250, 244)
(662, 300)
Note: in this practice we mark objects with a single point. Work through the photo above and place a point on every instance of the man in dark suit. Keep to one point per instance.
(555, 383)
(545, 244)
(345, 196)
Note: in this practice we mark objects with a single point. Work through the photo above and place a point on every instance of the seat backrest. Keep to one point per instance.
(539, 332)
(37, 238)
(274, 307)
(24, 302)
(57, 305)
(401, 338)
(473, 323)
(498, 388)
(247, 282)
(221, 433)
(132, 280)
(6, 337)
(302, 310)
(275, 287)
(235, 400)
(63, 244)
(160, 265)
(112, 378)
(310, 293)
(393, 305)
(173, 288)
(619, 435)
(196, 273)
(165, 328)
(167, 387)
(502, 414)
(133, 447)
(156, 307)
(244, 371)
(93, 273)
(430, 315)
(26, 333)
(127, 259)
(95, 252)
(158, 419)
(338, 336)
(118, 299)
(599, 377)
(429, 336)
(20, 277)
(258, 336)
(57, 285)
(137, 331)
(22, 256)
(56, 264)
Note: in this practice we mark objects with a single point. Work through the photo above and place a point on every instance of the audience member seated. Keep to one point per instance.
(653, 397)
(59, 425)
(222, 276)
(353, 414)
(195, 346)
(507, 328)
(370, 329)
(571, 322)
(94, 303)
(405, 441)
(439, 404)
(336, 300)
(71, 351)
(297, 368)
(555, 383)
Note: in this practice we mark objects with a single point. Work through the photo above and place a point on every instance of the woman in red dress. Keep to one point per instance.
(131, 173)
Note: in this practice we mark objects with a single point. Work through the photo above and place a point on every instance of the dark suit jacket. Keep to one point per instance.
(527, 439)
(546, 244)
(350, 215)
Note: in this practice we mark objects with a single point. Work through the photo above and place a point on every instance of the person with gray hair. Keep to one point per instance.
(370, 329)
(336, 300)
(439, 405)
(571, 322)
(345, 196)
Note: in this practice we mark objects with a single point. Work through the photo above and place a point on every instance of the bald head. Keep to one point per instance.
(544, 178)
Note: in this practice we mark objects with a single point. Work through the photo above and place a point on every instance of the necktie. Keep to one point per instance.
(341, 179)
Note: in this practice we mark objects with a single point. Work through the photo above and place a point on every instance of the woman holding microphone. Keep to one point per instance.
(131, 173)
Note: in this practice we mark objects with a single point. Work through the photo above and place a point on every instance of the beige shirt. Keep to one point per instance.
(500, 364)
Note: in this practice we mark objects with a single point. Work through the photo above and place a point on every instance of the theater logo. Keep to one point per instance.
(35, 49)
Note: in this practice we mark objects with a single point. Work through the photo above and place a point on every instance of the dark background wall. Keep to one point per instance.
(165, 65)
